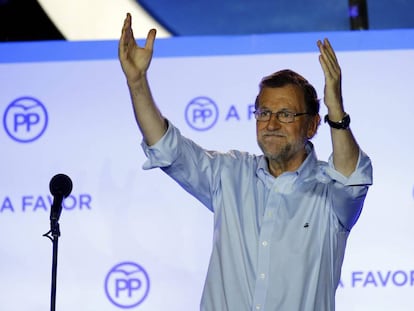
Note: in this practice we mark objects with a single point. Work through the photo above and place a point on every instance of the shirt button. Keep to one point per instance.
(264, 243)
(262, 275)
(258, 307)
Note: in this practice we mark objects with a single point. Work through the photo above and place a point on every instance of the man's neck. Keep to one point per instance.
(280, 166)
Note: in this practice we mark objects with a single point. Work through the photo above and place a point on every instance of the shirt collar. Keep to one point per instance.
(310, 162)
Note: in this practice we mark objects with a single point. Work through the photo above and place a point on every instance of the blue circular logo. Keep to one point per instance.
(25, 119)
(201, 113)
(127, 285)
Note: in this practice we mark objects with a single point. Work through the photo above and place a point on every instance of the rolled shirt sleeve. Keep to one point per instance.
(362, 174)
(164, 152)
(348, 193)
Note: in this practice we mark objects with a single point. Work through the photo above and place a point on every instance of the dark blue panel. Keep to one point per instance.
(209, 45)
(202, 17)
(389, 14)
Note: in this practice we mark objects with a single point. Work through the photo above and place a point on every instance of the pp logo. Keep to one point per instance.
(201, 113)
(25, 119)
(127, 285)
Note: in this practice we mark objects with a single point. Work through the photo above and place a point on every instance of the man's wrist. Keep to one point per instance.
(342, 124)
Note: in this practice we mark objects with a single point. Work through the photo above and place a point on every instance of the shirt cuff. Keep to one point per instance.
(362, 174)
(164, 151)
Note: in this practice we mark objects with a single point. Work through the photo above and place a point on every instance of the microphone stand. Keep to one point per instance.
(60, 187)
(53, 234)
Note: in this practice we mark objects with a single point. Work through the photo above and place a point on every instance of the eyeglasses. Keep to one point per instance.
(283, 116)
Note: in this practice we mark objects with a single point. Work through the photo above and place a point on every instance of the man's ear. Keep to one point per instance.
(313, 125)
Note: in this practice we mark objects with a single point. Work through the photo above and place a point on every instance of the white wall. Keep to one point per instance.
(119, 214)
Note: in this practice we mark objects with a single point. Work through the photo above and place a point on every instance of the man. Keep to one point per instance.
(281, 220)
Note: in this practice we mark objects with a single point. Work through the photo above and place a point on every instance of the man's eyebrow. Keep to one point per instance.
(264, 107)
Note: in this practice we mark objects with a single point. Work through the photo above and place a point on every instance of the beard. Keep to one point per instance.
(282, 155)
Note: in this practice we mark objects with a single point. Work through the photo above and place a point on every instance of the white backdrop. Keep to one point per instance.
(134, 239)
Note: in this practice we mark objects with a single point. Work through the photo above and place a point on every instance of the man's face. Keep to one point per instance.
(284, 142)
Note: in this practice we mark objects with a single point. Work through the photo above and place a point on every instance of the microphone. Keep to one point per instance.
(60, 187)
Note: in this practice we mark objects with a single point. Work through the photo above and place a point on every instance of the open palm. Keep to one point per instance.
(134, 59)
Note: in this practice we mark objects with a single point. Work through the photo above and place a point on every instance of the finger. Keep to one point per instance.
(329, 58)
(127, 23)
(125, 29)
(149, 43)
(326, 55)
(324, 61)
(326, 71)
(330, 50)
(127, 38)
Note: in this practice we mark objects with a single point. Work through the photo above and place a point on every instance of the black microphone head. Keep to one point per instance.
(60, 185)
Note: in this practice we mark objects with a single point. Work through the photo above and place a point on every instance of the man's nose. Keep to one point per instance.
(273, 122)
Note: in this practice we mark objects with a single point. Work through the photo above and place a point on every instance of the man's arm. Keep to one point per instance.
(135, 61)
(345, 147)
